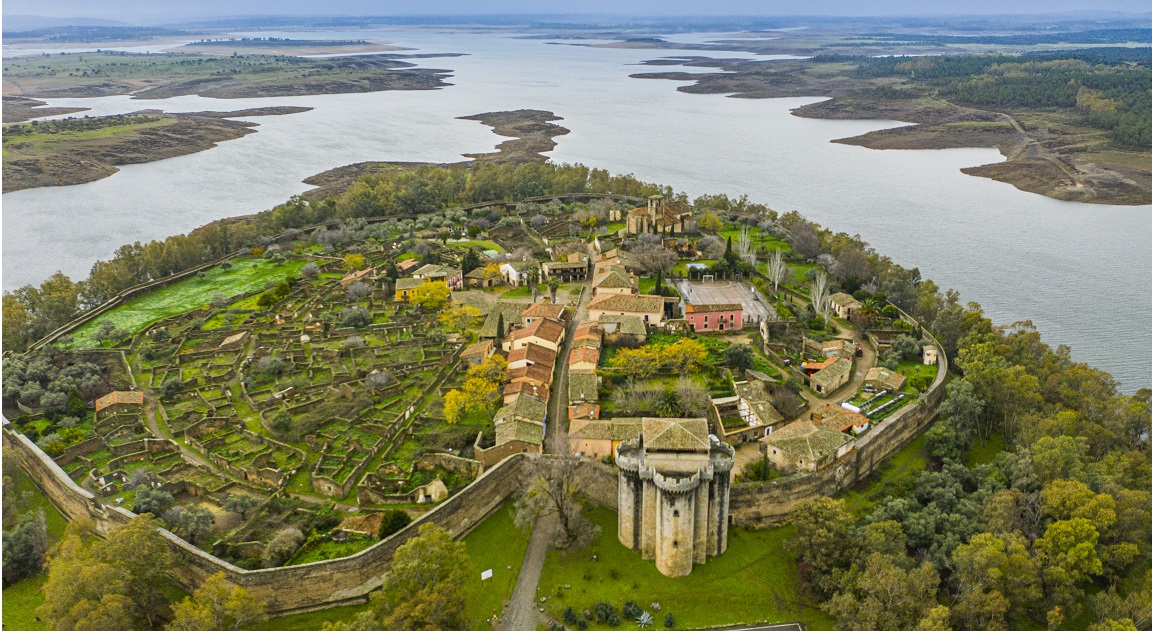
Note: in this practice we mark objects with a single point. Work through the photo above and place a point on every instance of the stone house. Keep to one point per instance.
(517, 273)
(598, 439)
(356, 276)
(804, 446)
(649, 308)
(544, 309)
(583, 359)
(881, 378)
(407, 266)
(512, 389)
(614, 280)
(536, 374)
(519, 429)
(830, 416)
(119, 402)
(574, 269)
(627, 329)
(440, 273)
(831, 375)
(476, 353)
(843, 304)
(546, 332)
(756, 410)
(531, 354)
(404, 287)
(661, 217)
(930, 354)
(706, 318)
(477, 278)
(583, 388)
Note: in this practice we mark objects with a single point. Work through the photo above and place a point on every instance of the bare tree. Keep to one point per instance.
(744, 245)
(777, 270)
(654, 258)
(819, 294)
(556, 486)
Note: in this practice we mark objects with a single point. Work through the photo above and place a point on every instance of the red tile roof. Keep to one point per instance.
(119, 397)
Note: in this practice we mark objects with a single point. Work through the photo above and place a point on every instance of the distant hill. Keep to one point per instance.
(21, 22)
(89, 33)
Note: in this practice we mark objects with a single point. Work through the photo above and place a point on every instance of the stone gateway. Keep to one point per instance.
(673, 503)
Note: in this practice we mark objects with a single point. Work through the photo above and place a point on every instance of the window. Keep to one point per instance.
(675, 513)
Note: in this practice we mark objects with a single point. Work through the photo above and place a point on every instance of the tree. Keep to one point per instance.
(430, 295)
(459, 318)
(997, 578)
(556, 486)
(270, 366)
(935, 620)
(654, 258)
(821, 541)
(777, 270)
(191, 521)
(358, 291)
(110, 333)
(500, 329)
(25, 546)
(883, 596)
(154, 501)
(553, 286)
(475, 394)
(353, 262)
(1067, 553)
(282, 546)
(470, 261)
(806, 241)
(217, 606)
(356, 317)
(739, 356)
(494, 369)
(819, 294)
(424, 588)
(710, 222)
(393, 521)
(241, 503)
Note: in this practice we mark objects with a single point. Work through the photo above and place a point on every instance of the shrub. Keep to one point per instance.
(281, 422)
(282, 546)
(669, 621)
(149, 500)
(393, 521)
(357, 317)
(270, 366)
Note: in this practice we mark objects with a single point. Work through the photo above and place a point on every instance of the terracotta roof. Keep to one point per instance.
(541, 374)
(546, 329)
(583, 412)
(584, 355)
(356, 274)
(831, 416)
(675, 434)
(368, 525)
(628, 303)
(805, 440)
(483, 348)
(236, 337)
(587, 342)
(523, 407)
(586, 329)
(709, 308)
(885, 378)
(831, 371)
(119, 397)
(534, 354)
(407, 264)
(583, 387)
(544, 309)
(615, 429)
(525, 387)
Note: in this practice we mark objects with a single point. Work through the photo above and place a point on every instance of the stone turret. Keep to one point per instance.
(673, 494)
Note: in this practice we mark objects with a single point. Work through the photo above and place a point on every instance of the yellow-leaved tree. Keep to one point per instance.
(353, 262)
(430, 295)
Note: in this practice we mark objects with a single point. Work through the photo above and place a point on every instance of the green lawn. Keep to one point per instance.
(900, 468)
(755, 580)
(188, 294)
(518, 292)
(482, 245)
(312, 620)
(985, 453)
(20, 603)
(495, 544)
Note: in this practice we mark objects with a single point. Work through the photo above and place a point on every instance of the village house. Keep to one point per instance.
(649, 308)
(476, 353)
(881, 378)
(838, 349)
(616, 258)
(356, 276)
(404, 287)
(930, 354)
(832, 374)
(625, 329)
(519, 429)
(831, 416)
(583, 388)
(661, 217)
(756, 410)
(517, 273)
(512, 389)
(530, 354)
(598, 439)
(843, 304)
(714, 317)
(584, 412)
(614, 280)
(546, 332)
(407, 266)
(509, 311)
(583, 359)
(478, 278)
(440, 273)
(574, 269)
(536, 374)
(119, 402)
(803, 446)
(544, 309)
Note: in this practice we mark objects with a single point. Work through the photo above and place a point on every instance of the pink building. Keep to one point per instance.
(715, 317)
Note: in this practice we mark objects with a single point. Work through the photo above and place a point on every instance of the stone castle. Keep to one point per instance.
(658, 217)
(673, 503)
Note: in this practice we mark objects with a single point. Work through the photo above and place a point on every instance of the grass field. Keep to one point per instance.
(21, 599)
(188, 294)
(985, 453)
(496, 544)
(901, 467)
(755, 580)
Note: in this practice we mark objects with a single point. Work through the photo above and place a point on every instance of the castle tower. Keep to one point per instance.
(673, 494)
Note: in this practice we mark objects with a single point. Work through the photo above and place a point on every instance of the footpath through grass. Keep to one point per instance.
(755, 580)
(246, 274)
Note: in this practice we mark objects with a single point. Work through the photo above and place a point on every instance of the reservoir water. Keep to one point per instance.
(1079, 271)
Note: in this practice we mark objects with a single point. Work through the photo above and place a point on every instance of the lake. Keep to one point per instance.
(1067, 266)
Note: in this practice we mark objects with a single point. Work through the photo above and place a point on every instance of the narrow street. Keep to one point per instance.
(557, 438)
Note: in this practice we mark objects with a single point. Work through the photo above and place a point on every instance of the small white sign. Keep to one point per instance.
(486, 574)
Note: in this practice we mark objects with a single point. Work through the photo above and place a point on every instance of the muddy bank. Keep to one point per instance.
(19, 109)
(47, 158)
(532, 132)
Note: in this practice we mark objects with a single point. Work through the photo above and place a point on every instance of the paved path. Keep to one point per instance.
(557, 441)
(522, 612)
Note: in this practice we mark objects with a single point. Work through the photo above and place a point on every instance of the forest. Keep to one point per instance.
(1108, 87)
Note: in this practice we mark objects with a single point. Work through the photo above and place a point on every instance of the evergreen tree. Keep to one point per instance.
(471, 260)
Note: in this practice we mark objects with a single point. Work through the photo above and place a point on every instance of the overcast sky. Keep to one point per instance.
(153, 11)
